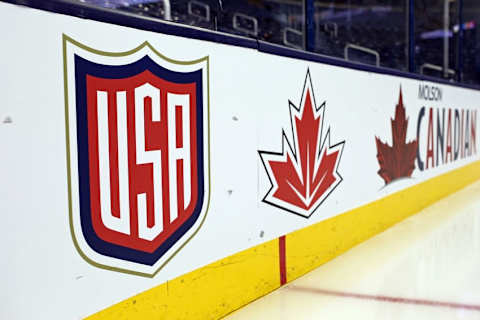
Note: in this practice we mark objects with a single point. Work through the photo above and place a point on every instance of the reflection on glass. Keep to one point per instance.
(276, 21)
(435, 38)
(371, 32)
(471, 38)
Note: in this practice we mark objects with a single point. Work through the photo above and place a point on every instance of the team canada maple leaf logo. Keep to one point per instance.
(305, 173)
(398, 160)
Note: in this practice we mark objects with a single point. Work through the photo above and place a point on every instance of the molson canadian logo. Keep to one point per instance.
(137, 152)
(443, 135)
(304, 173)
(450, 135)
(397, 160)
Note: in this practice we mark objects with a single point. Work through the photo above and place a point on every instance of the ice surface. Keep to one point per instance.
(426, 267)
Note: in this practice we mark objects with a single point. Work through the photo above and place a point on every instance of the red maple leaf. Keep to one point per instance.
(302, 177)
(398, 160)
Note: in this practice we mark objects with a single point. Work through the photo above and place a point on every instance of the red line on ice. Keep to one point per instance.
(424, 302)
(283, 260)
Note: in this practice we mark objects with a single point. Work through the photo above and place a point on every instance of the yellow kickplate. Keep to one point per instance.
(217, 289)
(308, 248)
(206, 293)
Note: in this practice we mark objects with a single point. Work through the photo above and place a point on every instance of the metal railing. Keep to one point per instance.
(333, 28)
(434, 67)
(167, 10)
(201, 5)
(329, 27)
(366, 50)
(238, 17)
(287, 42)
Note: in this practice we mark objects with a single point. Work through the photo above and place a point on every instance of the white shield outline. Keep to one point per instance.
(72, 48)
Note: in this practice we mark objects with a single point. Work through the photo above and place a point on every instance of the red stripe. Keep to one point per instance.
(283, 260)
(424, 302)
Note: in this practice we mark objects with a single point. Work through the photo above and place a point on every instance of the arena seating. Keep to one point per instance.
(371, 34)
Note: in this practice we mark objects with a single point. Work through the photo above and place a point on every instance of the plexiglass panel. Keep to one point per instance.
(374, 32)
(436, 36)
(365, 31)
(471, 39)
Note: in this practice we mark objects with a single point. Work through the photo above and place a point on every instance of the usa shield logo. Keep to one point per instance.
(137, 127)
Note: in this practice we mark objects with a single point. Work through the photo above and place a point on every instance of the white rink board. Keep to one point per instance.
(249, 108)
